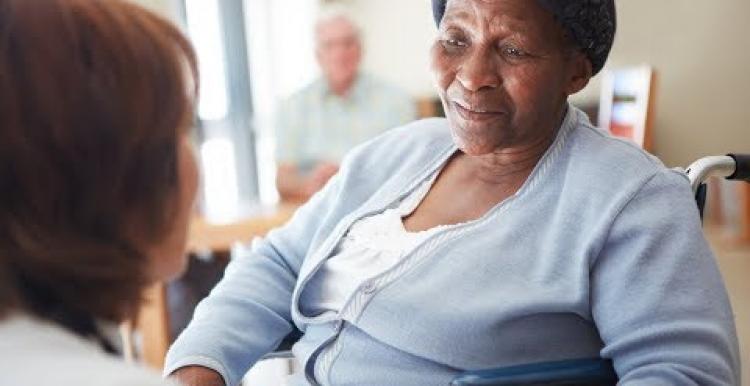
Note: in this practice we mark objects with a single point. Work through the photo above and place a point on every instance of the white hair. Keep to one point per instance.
(331, 12)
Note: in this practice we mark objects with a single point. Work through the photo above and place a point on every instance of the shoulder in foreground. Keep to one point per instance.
(418, 141)
(123, 374)
(101, 371)
(598, 152)
(427, 135)
(45, 354)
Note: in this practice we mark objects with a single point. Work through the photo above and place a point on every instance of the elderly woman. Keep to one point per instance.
(512, 232)
(97, 182)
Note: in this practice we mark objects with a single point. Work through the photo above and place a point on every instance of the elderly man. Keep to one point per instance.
(343, 108)
(511, 232)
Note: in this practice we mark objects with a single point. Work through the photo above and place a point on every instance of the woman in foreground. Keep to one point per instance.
(511, 232)
(97, 182)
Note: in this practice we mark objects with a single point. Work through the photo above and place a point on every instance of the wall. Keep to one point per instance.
(398, 35)
(702, 54)
(701, 50)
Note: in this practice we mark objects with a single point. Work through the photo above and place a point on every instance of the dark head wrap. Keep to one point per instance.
(590, 23)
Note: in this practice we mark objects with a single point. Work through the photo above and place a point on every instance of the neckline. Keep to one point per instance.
(380, 204)
(532, 181)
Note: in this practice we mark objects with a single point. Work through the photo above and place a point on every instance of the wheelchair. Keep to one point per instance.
(580, 371)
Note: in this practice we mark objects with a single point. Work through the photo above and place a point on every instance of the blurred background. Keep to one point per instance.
(256, 53)
(676, 83)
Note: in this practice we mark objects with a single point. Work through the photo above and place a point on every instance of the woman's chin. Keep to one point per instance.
(477, 138)
(474, 145)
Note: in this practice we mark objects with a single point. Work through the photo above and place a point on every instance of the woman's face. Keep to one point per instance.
(504, 70)
(169, 257)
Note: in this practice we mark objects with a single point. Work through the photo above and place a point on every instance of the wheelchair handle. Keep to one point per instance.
(742, 171)
(720, 166)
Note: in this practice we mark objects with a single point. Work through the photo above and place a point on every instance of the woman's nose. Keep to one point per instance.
(479, 71)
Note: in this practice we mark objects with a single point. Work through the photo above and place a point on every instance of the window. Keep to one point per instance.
(225, 134)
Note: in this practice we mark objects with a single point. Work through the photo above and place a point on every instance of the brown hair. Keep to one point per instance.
(94, 97)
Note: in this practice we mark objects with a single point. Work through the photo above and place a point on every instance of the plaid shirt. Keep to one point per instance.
(317, 125)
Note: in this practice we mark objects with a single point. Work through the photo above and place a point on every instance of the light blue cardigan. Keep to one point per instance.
(600, 253)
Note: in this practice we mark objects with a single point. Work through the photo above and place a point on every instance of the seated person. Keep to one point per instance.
(343, 108)
(97, 182)
(513, 232)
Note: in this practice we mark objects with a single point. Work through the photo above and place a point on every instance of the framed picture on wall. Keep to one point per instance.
(626, 103)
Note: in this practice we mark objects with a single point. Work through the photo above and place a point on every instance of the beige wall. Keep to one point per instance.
(398, 35)
(701, 50)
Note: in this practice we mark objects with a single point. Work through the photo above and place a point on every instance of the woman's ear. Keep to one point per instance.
(580, 72)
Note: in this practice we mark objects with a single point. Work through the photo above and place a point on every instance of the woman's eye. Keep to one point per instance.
(454, 43)
(514, 52)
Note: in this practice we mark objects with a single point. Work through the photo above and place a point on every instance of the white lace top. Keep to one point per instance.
(371, 246)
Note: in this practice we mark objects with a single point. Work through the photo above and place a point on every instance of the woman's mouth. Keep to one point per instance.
(476, 113)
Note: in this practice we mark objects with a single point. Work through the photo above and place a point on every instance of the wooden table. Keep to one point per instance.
(213, 238)
(153, 320)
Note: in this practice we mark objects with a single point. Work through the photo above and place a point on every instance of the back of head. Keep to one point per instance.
(94, 97)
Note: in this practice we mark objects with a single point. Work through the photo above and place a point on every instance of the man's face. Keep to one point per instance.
(339, 50)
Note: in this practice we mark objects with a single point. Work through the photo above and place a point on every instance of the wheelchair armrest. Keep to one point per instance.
(285, 347)
(595, 371)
